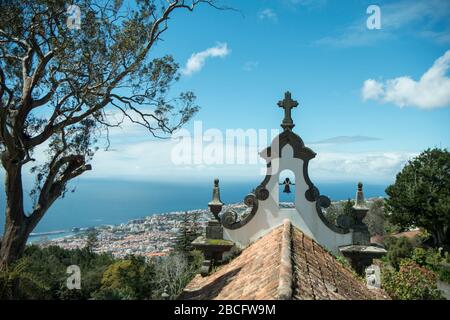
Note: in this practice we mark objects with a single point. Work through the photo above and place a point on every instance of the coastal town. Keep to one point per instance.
(151, 236)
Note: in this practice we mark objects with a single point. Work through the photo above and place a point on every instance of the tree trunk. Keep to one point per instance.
(13, 243)
(439, 237)
(16, 230)
(18, 226)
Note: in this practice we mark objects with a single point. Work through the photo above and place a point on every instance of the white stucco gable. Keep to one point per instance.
(287, 151)
(304, 215)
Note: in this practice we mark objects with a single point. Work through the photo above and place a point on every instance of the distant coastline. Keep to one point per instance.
(77, 232)
(55, 234)
(48, 233)
(108, 202)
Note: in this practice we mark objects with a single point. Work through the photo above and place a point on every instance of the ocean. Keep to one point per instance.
(101, 202)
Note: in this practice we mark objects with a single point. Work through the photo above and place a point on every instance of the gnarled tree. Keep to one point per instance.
(61, 85)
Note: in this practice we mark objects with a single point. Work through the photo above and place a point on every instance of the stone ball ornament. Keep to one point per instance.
(324, 201)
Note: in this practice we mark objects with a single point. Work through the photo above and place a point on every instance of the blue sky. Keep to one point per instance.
(363, 106)
(369, 100)
(352, 82)
(325, 76)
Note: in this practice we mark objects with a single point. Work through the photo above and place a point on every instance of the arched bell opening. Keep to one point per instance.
(286, 189)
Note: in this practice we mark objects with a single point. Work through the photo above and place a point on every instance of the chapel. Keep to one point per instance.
(274, 251)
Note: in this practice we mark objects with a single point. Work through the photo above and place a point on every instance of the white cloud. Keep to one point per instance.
(268, 14)
(372, 89)
(141, 158)
(153, 161)
(373, 167)
(431, 91)
(197, 60)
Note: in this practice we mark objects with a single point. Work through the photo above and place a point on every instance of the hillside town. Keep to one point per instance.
(151, 236)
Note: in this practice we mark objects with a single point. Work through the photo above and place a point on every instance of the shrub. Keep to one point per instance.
(433, 260)
(17, 283)
(375, 218)
(49, 265)
(410, 282)
(398, 249)
(130, 278)
(41, 274)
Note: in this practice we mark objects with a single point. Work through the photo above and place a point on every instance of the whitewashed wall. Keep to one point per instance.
(304, 215)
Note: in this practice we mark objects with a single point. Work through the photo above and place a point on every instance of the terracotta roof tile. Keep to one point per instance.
(408, 234)
(259, 272)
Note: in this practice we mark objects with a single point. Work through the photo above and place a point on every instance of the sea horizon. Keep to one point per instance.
(112, 202)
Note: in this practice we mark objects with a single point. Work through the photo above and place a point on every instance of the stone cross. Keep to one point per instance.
(287, 104)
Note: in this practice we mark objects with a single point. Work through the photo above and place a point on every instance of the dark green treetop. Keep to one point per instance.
(420, 196)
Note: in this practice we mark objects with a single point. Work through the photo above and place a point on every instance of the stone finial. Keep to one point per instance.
(360, 202)
(361, 253)
(287, 104)
(212, 244)
(215, 205)
(361, 233)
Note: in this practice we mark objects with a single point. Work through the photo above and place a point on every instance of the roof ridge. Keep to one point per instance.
(285, 280)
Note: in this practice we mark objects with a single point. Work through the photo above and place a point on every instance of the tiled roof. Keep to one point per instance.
(283, 264)
(408, 234)
(379, 239)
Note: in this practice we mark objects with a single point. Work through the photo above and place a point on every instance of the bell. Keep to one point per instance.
(287, 183)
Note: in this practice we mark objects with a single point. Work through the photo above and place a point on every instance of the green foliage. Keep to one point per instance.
(410, 282)
(18, 283)
(50, 265)
(342, 260)
(130, 278)
(390, 228)
(420, 196)
(189, 231)
(197, 261)
(91, 240)
(398, 249)
(375, 218)
(419, 256)
(430, 258)
(343, 209)
(338, 209)
(433, 260)
(113, 294)
(348, 207)
(346, 264)
(41, 274)
(219, 242)
(332, 212)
